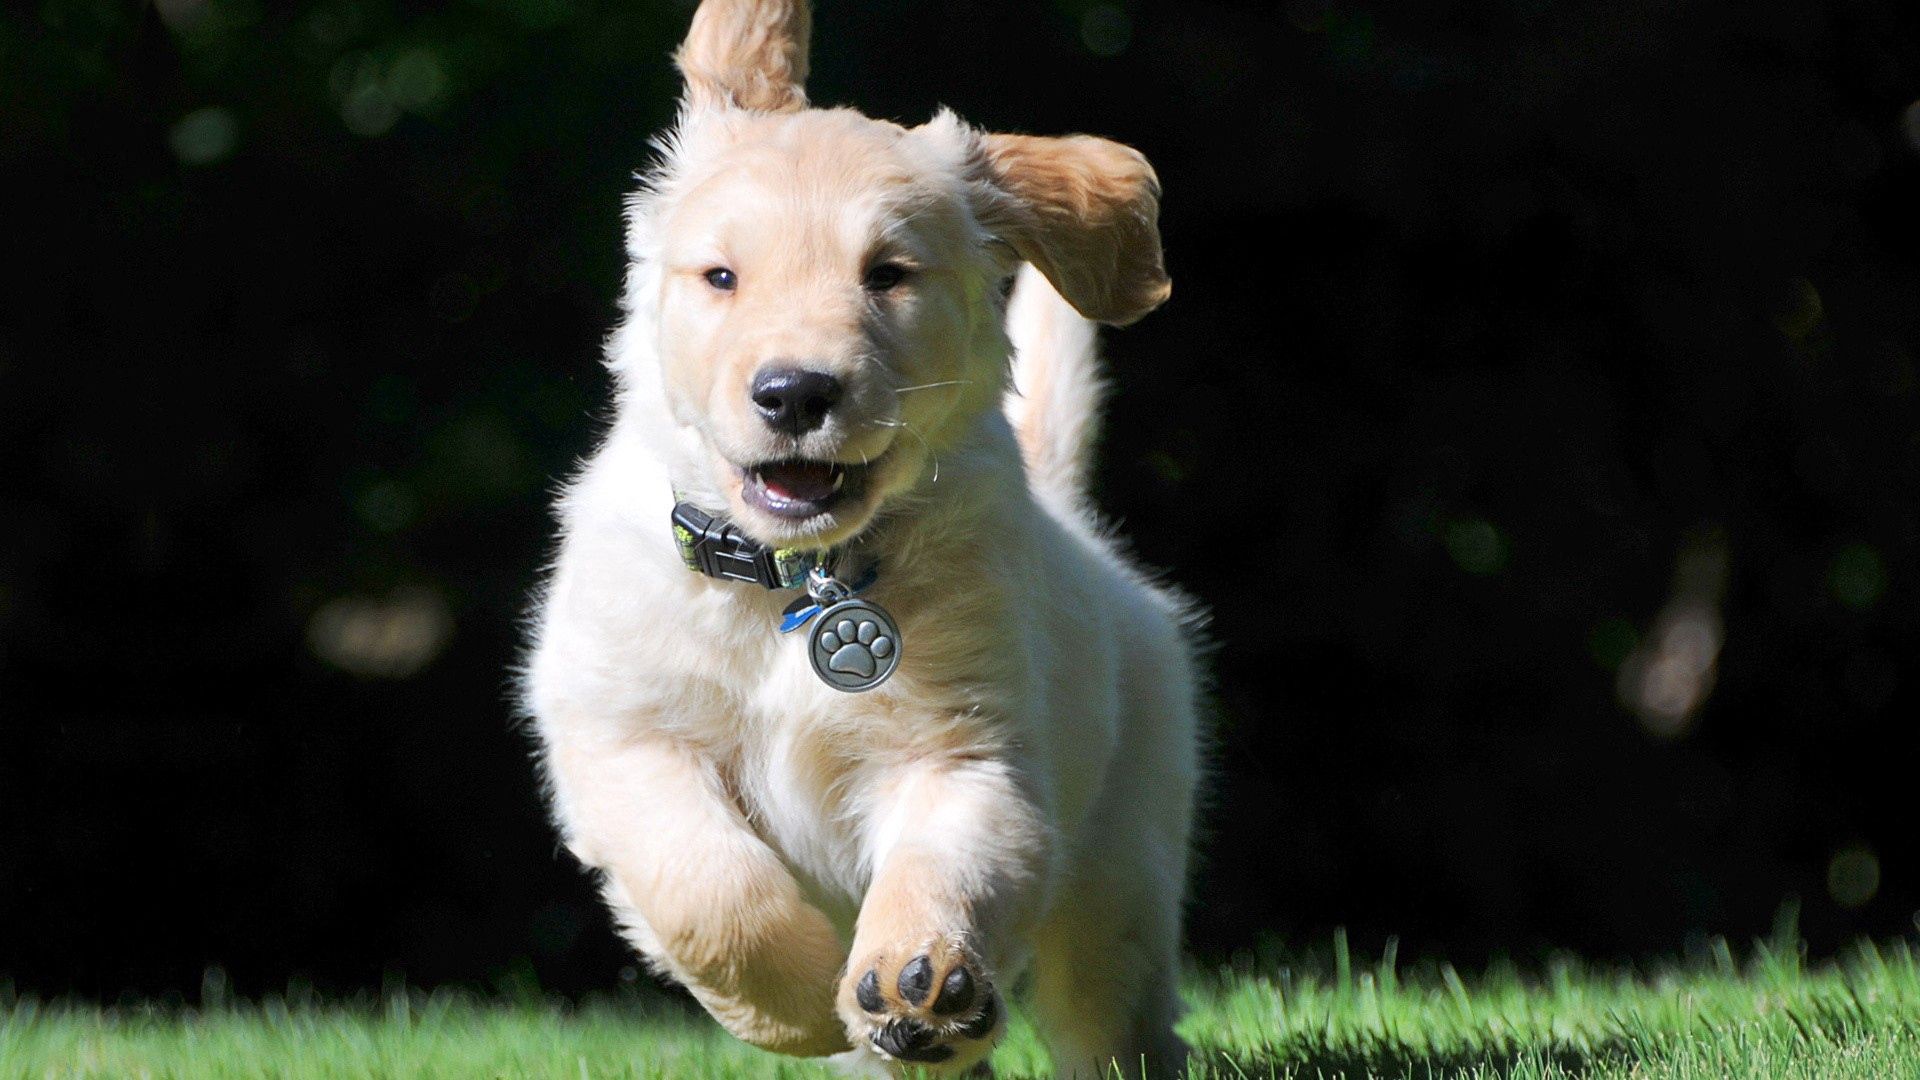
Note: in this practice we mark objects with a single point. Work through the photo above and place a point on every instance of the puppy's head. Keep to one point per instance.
(824, 288)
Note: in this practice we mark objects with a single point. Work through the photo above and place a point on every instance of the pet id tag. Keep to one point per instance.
(854, 646)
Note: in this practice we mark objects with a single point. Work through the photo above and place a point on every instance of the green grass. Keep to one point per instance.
(1772, 1017)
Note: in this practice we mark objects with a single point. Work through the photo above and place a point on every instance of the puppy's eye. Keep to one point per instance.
(722, 278)
(884, 277)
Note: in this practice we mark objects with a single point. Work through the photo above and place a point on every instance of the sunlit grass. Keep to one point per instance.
(1772, 1016)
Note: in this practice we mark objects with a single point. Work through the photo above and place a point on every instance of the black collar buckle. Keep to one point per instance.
(717, 548)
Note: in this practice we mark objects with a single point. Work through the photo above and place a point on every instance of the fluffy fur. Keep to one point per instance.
(1018, 798)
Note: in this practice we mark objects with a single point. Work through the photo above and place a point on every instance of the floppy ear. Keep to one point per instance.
(750, 54)
(1086, 213)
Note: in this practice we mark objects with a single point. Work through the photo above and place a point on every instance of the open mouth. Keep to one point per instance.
(799, 489)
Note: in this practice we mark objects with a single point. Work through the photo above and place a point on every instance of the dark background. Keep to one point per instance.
(1489, 315)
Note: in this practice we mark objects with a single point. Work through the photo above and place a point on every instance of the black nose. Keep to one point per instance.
(794, 401)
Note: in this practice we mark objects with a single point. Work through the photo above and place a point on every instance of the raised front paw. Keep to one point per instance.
(924, 1003)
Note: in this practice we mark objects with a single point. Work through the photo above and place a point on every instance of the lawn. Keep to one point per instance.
(1772, 1016)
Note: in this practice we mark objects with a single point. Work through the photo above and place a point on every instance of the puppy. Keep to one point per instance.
(980, 761)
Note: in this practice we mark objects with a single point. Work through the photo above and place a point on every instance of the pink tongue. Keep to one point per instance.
(798, 481)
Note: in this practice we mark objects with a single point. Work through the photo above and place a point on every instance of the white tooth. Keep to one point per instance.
(839, 477)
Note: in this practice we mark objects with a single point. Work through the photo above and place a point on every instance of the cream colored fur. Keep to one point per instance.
(1018, 798)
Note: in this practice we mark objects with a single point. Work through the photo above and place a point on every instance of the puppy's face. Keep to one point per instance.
(827, 314)
(827, 285)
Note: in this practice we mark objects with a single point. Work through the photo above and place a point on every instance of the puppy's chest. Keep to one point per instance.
(809, 766)
(810, 784)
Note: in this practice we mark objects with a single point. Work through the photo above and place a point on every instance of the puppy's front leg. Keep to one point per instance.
(699, 892)
(960, 855)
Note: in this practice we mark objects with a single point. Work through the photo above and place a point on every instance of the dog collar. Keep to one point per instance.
(716, 547)
(854, 646)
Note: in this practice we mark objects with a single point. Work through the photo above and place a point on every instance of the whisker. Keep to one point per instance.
(935, 458)
(932, 385)
(930, 454)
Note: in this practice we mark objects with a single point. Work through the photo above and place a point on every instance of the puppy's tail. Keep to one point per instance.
(1054, 403)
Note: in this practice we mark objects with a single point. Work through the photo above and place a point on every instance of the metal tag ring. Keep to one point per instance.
(825, 588)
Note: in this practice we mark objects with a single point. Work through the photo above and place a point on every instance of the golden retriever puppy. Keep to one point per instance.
(979, 760)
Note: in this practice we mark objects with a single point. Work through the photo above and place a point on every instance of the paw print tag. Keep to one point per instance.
(854, 645)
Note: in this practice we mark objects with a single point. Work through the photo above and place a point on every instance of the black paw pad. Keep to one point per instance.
(868, 992)
(905, 1038)
(956, 993)
(916, 980)
(981, 1026)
